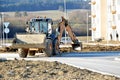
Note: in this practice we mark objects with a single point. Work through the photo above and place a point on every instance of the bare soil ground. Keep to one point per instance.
(90, 46)
(42, 70)
(102, 46)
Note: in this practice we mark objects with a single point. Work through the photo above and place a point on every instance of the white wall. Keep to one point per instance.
(118, 17)
(96, 21)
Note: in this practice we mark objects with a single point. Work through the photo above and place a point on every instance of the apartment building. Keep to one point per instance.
(105, 15)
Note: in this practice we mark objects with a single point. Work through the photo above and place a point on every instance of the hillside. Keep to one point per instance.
(38, 5)
(76, 18)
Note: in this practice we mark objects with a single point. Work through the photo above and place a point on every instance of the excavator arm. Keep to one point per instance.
(64, 25)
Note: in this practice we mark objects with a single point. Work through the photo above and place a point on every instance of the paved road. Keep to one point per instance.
(102, 62)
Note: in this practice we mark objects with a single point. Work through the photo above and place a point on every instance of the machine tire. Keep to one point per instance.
(23, 52)
(56, 47)
(32, 53)
(48, 47)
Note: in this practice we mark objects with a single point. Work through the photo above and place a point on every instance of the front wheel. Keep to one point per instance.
(23, 52)
(48, 47)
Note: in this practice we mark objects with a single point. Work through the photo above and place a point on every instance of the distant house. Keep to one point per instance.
(105, 15)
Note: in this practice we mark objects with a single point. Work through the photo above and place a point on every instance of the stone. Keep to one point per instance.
(11, 73)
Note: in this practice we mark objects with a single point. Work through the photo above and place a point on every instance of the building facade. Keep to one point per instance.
(105, 15)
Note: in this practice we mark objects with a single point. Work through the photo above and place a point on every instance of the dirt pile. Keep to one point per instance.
(42, 70)
(101, 48)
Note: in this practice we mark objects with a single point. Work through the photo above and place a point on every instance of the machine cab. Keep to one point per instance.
(40, 25)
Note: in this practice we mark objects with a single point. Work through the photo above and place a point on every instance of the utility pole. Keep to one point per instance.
(65, 10)
(87, 26)
(3, 28)
(65, 15)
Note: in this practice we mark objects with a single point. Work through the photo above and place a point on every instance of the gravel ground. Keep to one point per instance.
(42, 70)
(101, 48)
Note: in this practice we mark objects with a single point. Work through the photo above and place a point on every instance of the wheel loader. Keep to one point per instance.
(39, 37)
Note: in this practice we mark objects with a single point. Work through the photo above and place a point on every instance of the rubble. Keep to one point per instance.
(42, 70)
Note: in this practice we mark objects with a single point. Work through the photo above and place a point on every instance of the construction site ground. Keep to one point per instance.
(20, 69)
(86, 47)
(101, 46)
(44, 70)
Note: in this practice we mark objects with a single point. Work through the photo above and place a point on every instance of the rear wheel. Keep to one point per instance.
(23, 52)
(48, 47)
(56, 47)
